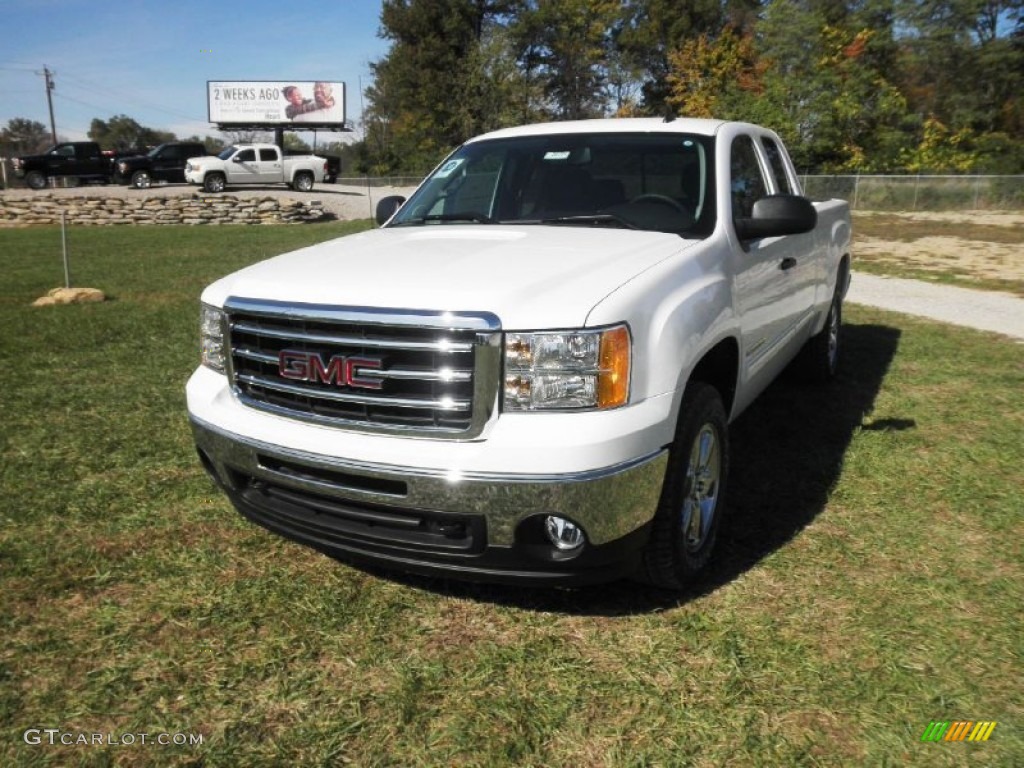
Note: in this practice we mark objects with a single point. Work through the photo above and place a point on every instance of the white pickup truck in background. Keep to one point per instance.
(255, 164)
(527, 374)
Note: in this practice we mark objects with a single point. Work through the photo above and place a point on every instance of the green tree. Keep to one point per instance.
(431, 90)
(22, 136)
(123, 133)
(564, 47)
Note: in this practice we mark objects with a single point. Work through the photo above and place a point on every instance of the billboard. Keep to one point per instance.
(276, 102)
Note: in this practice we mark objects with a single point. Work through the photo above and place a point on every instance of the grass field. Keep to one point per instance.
(870, 578)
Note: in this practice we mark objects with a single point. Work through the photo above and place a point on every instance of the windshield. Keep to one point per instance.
(658, 182)
(227, 152)
(155, 152)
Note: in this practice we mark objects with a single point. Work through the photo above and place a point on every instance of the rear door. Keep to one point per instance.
(270, 164)
(169, 165)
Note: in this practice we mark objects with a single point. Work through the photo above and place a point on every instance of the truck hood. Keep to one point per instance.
(530, 276)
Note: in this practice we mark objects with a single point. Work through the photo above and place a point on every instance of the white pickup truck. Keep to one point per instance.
(527, 374)
(255, 164)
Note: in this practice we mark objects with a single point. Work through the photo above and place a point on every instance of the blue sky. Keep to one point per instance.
(150, 59)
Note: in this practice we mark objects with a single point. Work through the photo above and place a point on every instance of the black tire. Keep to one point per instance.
(142, 180)
(214, 182)
(35, 180)
(681, 542)
(303, 181)
(820, 357)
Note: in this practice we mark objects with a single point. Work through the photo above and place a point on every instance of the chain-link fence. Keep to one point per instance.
(920, 193)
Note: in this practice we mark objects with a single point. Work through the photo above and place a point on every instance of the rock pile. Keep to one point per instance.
(184, 209)
(70, 296)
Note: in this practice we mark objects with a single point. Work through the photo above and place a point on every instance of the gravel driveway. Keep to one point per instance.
(984, 310)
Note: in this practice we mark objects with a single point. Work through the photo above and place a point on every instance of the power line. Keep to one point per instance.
(96, 88)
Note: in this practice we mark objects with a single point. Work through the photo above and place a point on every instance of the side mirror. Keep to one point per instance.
(237, 158)
(778, 215)
(387, 206)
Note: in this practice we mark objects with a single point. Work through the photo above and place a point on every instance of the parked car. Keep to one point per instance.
(527, 374)
(165, 163)
(255, 164)
(78, 160)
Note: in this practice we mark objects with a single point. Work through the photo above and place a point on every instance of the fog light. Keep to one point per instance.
(564, 535)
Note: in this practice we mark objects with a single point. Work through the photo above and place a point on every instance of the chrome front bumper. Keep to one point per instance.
(485, 526)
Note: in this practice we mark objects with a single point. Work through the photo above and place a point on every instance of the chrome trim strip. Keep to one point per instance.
(325, 338)
(424, 318)
(454, 375)
(443, 404)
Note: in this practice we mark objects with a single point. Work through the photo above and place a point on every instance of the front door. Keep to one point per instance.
(772, 275)
(244, 168)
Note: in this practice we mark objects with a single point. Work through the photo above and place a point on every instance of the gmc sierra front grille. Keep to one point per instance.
(428, 373)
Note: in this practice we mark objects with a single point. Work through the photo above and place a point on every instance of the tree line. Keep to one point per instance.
(872, 86)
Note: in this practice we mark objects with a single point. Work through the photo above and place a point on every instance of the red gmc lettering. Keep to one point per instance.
(339, 370)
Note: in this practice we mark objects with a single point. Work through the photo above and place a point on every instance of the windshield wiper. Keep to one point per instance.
(592, 218)
(480, 218)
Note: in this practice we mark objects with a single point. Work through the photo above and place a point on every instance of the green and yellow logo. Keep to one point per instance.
(958, 730)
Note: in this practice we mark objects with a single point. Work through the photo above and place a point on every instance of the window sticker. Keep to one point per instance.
(557, 155)
(449, 168)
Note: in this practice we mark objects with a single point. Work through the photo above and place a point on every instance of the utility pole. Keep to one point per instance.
(49, 100)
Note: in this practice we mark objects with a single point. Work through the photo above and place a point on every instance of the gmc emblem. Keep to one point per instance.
(340, 371)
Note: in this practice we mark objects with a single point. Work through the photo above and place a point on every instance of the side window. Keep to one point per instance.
(170, 153)
(778, 166)
(747, 182)
(247, 156)
(268, 154)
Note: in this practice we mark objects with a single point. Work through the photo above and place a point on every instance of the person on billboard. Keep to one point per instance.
(323, 98)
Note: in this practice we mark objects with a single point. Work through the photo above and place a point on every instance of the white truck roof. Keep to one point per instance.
(610, 125)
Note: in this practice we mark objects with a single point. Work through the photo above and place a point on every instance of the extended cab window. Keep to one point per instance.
(774, 153)
(659, 182)
(747, 184)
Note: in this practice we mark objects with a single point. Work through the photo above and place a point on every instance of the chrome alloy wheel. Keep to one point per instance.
(703, 476)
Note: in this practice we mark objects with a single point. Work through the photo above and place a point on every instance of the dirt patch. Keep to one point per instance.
(995, 255)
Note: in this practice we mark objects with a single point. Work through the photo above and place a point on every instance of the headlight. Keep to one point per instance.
(212, 323)
(122, 167)
(567, 369)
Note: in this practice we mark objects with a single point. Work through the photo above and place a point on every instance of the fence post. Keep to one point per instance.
(977, 190)
(856, 190)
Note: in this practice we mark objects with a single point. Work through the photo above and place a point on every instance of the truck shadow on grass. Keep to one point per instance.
(787, 455)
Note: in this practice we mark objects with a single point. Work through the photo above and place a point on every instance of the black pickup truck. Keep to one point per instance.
(163, 163)
(82, 160)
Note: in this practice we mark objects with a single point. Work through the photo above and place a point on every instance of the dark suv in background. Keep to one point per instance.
(163, 163)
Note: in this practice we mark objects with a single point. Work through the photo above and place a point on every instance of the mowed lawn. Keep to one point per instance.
(870, 578)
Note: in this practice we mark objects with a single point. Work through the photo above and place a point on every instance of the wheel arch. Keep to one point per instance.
(719, 367)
